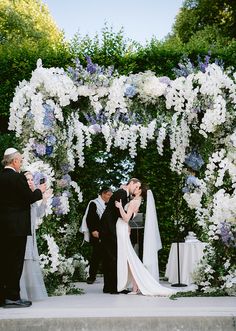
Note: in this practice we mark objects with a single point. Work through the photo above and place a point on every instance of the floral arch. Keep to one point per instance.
(200, 104)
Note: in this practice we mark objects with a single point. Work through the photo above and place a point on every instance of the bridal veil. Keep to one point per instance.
(152, 240)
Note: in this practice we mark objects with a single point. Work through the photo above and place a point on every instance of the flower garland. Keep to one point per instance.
(202, 102)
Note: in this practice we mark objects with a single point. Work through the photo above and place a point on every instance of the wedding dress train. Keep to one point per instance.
(127, 259)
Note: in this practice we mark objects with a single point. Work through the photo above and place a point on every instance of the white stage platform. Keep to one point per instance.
(97, 311)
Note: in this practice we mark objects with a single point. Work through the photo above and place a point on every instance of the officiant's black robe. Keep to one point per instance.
(109, 240)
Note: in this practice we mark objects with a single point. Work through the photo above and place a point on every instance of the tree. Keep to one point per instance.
(27, 20)
(27, 32)
(195, 15)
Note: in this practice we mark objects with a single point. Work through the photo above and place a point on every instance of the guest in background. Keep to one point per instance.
(91, 225)
(15, 200)
(32, 286)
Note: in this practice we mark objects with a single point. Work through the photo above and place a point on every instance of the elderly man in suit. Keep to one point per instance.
(108, 234)
(15, 200)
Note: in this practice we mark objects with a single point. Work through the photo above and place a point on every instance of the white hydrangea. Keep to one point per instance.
(193, 199)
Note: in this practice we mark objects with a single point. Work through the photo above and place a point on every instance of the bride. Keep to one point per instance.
(129, 266)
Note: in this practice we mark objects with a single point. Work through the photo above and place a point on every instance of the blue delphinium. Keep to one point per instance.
(91, 74)
(203, 65)
(91, 67)
(186, 67)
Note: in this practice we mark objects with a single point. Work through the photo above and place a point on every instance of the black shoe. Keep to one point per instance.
(17, 303)
(90, 280)
(125, 292)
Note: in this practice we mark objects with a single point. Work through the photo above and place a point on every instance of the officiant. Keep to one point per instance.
(15, 200)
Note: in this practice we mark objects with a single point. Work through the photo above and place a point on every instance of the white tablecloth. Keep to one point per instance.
(190, 253)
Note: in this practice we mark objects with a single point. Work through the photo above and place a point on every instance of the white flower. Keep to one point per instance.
(53, 252)
(161, 138)
(107, 135)
(193, 199)
(153, 88)
(77, 190)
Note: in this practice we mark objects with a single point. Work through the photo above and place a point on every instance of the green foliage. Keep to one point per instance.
(196, 15)
(111, 49)
(27, 33)
(197, 293)
(27, 21)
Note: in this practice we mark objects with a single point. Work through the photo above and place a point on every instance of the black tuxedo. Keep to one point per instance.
(94, 224)
(109, 240)
(15, 200)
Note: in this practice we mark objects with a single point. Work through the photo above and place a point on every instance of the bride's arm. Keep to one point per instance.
(132, 208)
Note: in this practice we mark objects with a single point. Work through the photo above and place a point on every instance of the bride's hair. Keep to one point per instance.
(144, 189)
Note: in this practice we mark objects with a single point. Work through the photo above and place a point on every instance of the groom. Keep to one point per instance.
(108, 234)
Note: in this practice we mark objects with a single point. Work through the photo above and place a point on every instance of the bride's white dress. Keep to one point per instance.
(128, 259)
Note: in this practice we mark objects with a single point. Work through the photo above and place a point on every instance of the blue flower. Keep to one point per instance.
(40, 149)
(130, 91)
(191, 183)
(96, 128)
(49, 150)
(65, 168)
(48, 116)
(67, 178)
(194, 160)
(51, 140)
(226, 234)
(67, 193)
(165, 80)
(91, 67)
(30, 115)
(56, 204)
(56, 201)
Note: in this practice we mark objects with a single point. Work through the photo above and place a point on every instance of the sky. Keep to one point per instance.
(141, 19)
